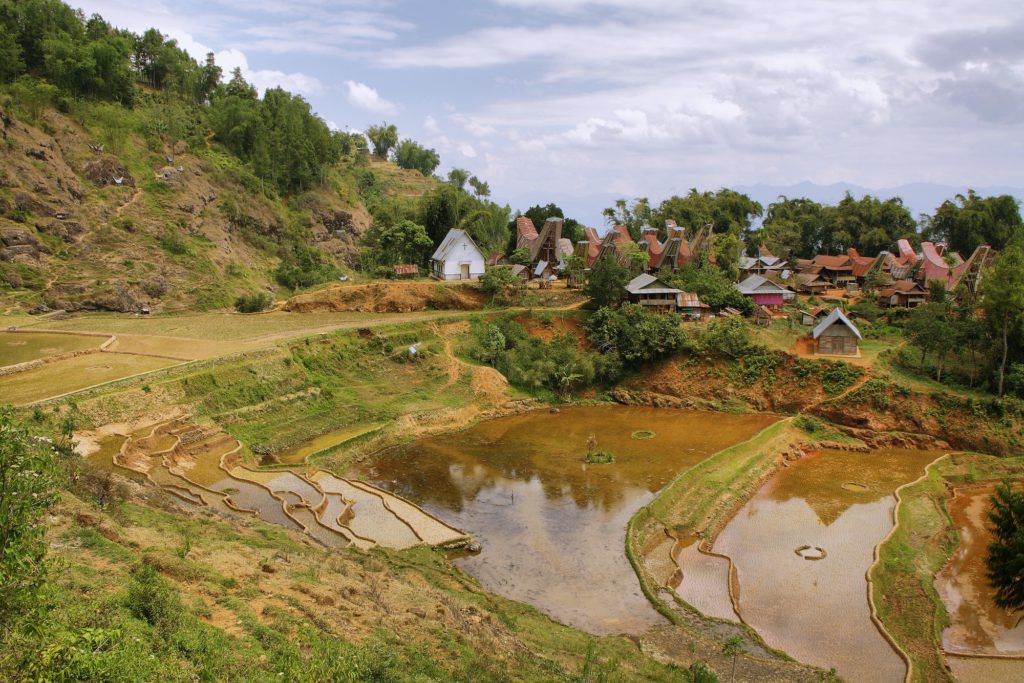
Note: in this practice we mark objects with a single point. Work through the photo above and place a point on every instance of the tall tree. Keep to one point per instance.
(635, 216)
(480, 188)
(969, 221)
(1003, 300)
(1005, 560)
(383, 138)
(457, 178)
(403, 242)
(726, 210)
(412, 155)
(607, 282)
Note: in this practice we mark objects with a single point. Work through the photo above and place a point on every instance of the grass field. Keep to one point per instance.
(19, 347)
(219, 326)
(54, 379)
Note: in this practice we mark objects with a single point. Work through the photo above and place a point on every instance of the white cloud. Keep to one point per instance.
(430, 125)
(299, 83)
(467, 150)
(365, 97)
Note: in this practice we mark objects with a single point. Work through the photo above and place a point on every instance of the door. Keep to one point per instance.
(465, 270)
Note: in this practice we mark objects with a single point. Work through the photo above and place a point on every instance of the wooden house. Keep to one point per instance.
(457, 258)
(762, 316)
(836, 335)
(690, 306)
(764, 292)
(902, 294)
(650, 292)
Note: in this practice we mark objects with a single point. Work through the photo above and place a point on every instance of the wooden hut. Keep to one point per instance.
(836, 335)
(650, 292)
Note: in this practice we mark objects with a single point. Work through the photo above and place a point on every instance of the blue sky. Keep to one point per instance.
(582, 101)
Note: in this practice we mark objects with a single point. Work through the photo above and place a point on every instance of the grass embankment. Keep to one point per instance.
(150, 594)
(701, 498)
(902, 581)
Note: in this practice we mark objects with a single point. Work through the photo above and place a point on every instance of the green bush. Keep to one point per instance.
(635, 334)
(253, 302)
(152, 599)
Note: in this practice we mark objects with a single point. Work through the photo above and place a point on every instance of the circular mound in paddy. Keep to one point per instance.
(855, 487)
(811, 552)
(642, 434)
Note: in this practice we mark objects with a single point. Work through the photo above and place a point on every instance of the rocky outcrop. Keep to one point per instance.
(108, 170)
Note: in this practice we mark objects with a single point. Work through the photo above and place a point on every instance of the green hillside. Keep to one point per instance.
(133, 176)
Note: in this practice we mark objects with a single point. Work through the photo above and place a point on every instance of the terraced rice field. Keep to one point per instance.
(73, 374)
(21, 347)
(202, 469)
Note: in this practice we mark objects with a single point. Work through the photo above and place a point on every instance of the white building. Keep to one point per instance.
(457, 258)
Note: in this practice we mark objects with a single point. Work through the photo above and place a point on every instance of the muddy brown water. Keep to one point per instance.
(817, 611)
(977, 625)
(552, 528)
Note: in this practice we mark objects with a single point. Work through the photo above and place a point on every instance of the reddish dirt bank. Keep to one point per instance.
(864, 405)
(388, 297)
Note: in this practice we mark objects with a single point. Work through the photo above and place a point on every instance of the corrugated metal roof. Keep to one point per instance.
(835, 316)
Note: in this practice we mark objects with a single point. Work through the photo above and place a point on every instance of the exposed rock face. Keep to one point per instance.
(71, 297)
(68, 231)
(107, 170)
(20, 245)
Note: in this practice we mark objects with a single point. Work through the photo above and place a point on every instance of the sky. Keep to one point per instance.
(580, 102)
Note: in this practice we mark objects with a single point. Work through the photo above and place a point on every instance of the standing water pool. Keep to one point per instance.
(552, 528)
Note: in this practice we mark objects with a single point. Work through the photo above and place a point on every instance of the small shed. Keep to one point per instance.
(812, 316)
(690, 305)
(650, 292)
(762, 316)
(457, 258)
(836, 335)
(406, 270)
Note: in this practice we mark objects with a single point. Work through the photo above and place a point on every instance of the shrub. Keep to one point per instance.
(253, 302)
(151, 599)
(26, 492)
(635, 334)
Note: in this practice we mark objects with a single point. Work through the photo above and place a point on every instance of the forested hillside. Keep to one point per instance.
(132, 175)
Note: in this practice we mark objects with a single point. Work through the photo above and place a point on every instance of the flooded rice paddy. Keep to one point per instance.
(977, 626)
(301, 452)
(801, 548)
(552, 528)
(203, 467)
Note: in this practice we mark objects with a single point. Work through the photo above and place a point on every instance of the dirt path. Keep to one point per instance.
(861, 381)
(135, 195)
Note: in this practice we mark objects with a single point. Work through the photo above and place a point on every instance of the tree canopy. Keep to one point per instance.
(412, 155)
(970, 221)
(801, 228)
(1005, 559)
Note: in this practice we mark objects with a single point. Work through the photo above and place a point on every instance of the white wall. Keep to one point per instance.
(462, 252)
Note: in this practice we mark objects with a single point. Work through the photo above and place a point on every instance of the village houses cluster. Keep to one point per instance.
(899, 279)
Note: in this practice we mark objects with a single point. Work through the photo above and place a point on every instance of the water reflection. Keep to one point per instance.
(551, 526)
(817, 611)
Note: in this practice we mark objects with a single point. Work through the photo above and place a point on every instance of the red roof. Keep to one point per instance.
(406, 269)
(623, 234)
(525, 228)
(832, 262)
